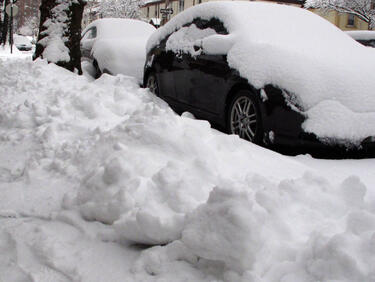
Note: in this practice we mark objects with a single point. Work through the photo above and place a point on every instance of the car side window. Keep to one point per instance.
(213, 23)
(90, 34)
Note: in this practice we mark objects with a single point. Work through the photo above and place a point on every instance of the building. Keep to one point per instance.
(151, 12)
(342, 20)
(151, 8)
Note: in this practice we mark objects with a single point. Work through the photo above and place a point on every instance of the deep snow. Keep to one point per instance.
(89, 168)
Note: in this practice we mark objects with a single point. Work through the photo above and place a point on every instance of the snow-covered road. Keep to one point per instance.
(93, 171)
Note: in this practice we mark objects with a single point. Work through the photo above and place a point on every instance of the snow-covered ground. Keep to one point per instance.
(94, 172)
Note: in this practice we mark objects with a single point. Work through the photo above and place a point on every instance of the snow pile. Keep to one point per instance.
(120, 45)
(298, 230)
(313, 60)
(89, 167)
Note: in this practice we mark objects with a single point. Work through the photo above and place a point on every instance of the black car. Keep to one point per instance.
(193, 74)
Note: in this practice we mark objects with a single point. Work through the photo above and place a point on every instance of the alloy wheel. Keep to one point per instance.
(243, 118)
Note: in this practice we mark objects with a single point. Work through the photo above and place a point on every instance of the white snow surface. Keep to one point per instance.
(88, 168)
(120, 45)
(313, 60)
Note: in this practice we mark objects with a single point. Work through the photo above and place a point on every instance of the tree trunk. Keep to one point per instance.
(4, 26)
(60, 33)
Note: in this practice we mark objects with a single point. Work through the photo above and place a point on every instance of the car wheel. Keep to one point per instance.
(244, 117)
(152, 84)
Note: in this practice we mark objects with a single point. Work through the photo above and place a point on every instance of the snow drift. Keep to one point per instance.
(88, 167)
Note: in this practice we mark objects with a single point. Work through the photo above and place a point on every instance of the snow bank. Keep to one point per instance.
(313, 60)
(299, 230)
(73, 148)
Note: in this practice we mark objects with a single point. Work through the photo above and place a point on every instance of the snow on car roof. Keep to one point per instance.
(362, 34)
(116, 27)
(300, 52)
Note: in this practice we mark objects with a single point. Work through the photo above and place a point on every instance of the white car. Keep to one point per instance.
(22, 42)
(365, 37)
(116, 46)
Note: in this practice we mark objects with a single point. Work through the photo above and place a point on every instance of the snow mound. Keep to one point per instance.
(299, 230)
(314, 60)
(107, 151)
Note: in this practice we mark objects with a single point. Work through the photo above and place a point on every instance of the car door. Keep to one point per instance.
(163, 63)
(87, 42)
(200, 79)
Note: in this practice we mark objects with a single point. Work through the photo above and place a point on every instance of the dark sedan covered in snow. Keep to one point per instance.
(248, 67)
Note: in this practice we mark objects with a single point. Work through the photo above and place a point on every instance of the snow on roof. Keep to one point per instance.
(300, 52)
(116, 27)
(362, 34)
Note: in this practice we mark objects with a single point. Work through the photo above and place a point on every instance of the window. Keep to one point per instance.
(148, 12)
(90, 34)
(156, 12)
(350, 20)
(199, 1)
(181, 5)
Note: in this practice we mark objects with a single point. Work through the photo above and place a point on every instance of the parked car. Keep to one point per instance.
(22, 42)
(116, 46)
(365, 37)
(247, 67)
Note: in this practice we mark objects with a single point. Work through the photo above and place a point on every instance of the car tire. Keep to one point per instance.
(152, 83)
(244, 117)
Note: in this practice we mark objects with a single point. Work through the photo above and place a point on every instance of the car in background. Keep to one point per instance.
(22, 43)
(365, 37)
(116, 46)
(248, 68)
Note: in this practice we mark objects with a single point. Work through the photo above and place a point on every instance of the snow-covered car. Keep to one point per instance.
(365, 37)
(249, 68)
(116, 46)
(22, 42)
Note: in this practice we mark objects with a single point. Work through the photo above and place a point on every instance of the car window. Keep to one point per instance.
(90, 34)
(213, 23)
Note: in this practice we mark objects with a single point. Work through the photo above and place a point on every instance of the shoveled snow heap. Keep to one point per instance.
(120, 45)
(332, 76)
(109, 152)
